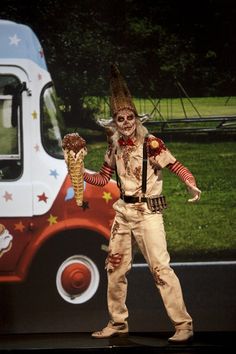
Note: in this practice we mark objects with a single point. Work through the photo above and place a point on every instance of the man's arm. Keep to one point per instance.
(186, 176)
(160, 157)
(100, 178)
(182, 172)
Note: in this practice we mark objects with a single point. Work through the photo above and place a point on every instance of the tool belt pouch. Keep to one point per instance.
(156, 204)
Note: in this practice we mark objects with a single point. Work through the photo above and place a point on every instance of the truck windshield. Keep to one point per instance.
(52, 122)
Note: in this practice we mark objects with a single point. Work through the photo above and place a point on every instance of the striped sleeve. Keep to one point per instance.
(100, 178)
(182, 172)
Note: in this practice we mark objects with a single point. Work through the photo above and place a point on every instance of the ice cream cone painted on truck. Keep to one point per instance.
(43, 208)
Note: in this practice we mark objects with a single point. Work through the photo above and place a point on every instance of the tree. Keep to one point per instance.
(155, 43)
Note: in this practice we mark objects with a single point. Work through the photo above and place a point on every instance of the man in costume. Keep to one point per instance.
(138, 158)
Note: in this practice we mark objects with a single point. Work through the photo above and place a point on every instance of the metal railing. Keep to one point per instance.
(208, 124)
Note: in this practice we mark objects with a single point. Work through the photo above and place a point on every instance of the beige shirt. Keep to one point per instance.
(129, 160)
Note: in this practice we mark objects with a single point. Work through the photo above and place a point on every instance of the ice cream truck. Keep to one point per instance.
(49, 247)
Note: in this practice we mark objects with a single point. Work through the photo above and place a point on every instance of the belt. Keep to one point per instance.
(155, 204)
(131, 199)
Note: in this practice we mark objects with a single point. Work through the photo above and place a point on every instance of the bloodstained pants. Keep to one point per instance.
(135, 222)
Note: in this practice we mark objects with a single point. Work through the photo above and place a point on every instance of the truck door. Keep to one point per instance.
(15, 136)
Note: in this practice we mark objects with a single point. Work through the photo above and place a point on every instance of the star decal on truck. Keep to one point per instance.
(36, 147)
(19, 226)
(14, 40)
(7, 196)
(42, 198)
(107, 196)
(52, 219)
(34, 114)
(54, 173)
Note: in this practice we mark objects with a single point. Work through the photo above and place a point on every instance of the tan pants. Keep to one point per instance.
(136, 223)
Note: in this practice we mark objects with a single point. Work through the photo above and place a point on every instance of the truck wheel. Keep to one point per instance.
(77, 279)
(71, 267)
(65, 289)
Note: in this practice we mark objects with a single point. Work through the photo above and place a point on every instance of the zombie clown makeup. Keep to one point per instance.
(125, 121)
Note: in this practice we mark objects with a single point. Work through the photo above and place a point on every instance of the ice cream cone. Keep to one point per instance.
(74, 152)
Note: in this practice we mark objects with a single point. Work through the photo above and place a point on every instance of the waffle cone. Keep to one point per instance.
(120, 97)
(75, 165)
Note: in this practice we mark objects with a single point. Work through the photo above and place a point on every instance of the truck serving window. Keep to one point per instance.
(10, 142)
(52, 122)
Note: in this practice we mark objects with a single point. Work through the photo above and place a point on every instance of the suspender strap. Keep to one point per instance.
(144, 169)
(117, 179)
(144, 172)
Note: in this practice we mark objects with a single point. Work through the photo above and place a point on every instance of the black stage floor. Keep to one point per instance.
(203, 342)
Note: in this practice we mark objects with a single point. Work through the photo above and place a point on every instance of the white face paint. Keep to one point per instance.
(126, 123)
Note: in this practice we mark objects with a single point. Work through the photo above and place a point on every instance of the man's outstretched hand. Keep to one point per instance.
(194, 191)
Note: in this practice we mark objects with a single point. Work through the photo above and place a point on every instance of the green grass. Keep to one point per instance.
(173, 108)
(204, 230)
(207, 228)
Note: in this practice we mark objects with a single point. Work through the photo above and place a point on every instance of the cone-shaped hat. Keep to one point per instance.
(120, 96)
